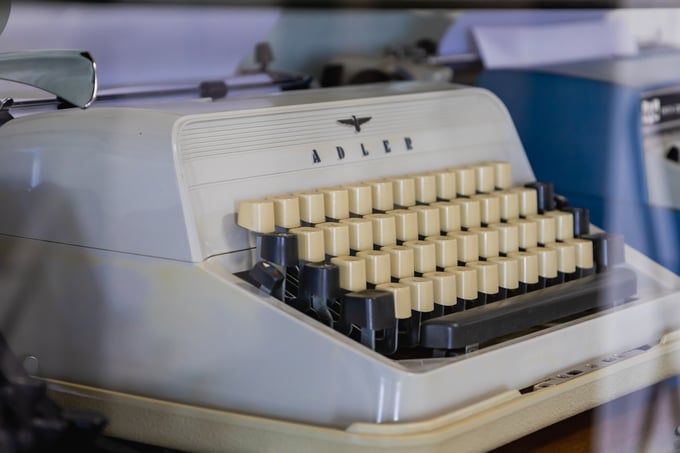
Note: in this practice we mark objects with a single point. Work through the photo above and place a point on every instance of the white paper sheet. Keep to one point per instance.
(521, 46)
(458, 38)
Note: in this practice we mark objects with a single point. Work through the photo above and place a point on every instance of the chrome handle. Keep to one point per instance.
(70, 75)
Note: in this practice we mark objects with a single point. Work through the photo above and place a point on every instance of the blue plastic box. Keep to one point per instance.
(606, 133)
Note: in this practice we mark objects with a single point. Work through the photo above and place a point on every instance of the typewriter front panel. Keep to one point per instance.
(226, 158)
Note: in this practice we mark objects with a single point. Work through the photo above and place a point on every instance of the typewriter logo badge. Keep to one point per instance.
(355, 122)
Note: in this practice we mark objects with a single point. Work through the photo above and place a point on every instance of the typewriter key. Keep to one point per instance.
(466, 184)
(449, 216)
(336, 203)
(402, 261)
(384, 229)
(508, 276)
(446, 185)
(466, 286)
(426, 188)
(445, 299)
(545, 196)
(320, 289)
(312, 210)
(377, 266)
(360, 233)
(406, 223)
(370, 311)
(424, 256)
(428, 220)
(445, 251)
(487, 281)
(489, 208)
(422, 301)
(508, 237)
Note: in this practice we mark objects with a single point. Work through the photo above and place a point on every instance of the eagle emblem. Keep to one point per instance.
(355, 122)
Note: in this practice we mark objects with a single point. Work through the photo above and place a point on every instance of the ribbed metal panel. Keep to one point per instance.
(200, 138)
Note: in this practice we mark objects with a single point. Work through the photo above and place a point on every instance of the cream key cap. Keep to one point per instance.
(449, 216)
(527, 270)
(336, 203)
(545, 228)
(528, 233)
(466, 286)
(402, 298)
(485, 177)
(378, 269)
(508, 237)
(489, 208)
(312, 208)
(585, 264)
(311, 246)
(428, 220)
(508, 276)
(360, 233)
(382, 195)
(509, 204)
(445, 293)
(406, 222)
(426, 188)
(488, 242)
(445, 251)
(468, 246)
(401, 261)
(564, 224)
(360, 199)
(422, 302)
(547, 266)
(286, 211)
(566, 260)
(466, 184)
(336, 238)
(487, 281)
(424, 256)
(256, 215)
(422, 293)
(403, 191)
(528, 202)
(352, 272)
(445, 182)
(470, 212)
(384, 228)
(503, 174)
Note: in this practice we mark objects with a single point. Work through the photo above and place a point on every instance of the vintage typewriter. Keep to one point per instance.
(368, 267)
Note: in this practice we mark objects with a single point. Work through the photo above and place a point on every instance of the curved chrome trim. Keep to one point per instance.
(68, 74)
(95, 82)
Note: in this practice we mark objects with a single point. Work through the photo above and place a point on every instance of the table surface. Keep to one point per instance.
(643, 421)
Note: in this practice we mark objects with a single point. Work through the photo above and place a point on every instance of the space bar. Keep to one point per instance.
(477, 325)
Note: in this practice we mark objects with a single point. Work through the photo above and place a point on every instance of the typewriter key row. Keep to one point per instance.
(388, 194)
(377, 260)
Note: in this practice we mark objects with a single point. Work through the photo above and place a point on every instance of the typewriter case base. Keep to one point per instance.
(485, 425)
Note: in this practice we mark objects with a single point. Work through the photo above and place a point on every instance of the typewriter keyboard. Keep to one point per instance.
(437, 263)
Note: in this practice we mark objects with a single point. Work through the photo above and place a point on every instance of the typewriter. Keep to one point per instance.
(364, 267)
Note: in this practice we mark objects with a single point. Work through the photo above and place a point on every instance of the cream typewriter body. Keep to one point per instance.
(121, 245)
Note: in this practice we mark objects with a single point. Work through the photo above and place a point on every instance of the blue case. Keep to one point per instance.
(602, 130)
